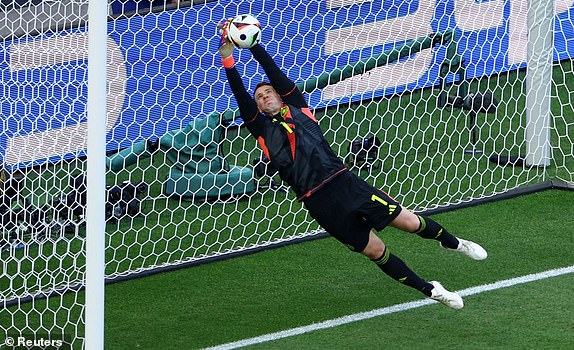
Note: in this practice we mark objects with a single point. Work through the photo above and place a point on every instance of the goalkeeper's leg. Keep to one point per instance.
(427, 228)
(394, 267)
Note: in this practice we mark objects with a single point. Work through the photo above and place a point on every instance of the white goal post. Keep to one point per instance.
(468, 103)
(96, 174)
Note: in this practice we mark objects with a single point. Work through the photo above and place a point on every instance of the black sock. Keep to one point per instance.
(398, 270)
(430, 229)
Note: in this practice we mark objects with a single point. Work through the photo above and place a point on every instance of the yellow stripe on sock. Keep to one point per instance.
(438, 234)
(423, 225)
(383, 260)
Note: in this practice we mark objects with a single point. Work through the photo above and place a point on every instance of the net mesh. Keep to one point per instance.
(187, 182)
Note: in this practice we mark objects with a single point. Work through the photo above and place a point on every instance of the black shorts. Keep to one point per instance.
(348, 208)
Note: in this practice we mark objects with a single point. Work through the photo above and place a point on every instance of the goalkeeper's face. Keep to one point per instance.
(267, 99)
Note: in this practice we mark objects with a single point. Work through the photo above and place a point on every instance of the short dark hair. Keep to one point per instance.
(263, 83)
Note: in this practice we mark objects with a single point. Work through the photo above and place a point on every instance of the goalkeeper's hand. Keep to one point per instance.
(225, 45)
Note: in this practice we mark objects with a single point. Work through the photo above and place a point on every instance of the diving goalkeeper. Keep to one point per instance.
(346, 206)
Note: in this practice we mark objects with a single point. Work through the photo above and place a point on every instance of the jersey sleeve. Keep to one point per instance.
(247, 106)
(279, 80)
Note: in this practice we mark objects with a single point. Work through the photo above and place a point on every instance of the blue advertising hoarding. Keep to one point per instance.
(164, 70)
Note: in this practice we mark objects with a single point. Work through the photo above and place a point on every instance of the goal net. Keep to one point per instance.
(439, 104)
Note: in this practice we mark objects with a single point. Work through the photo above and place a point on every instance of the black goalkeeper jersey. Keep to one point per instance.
(291, 139)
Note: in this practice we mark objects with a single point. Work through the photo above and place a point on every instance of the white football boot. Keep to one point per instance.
(470, 249)
(450, 299)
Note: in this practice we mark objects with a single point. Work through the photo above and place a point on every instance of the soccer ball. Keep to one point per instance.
(244, 31)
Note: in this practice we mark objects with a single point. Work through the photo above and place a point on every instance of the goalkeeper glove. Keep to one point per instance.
(225, 45)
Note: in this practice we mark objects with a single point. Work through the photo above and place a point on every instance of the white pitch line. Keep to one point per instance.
(389, 310)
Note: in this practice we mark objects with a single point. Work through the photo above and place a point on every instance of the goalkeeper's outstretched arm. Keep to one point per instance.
(279, 80)
(352, 69)
(247, 106)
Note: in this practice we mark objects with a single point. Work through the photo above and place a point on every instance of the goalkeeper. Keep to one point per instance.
(346, 206)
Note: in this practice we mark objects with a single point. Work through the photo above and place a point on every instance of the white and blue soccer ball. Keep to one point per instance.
(244, 31)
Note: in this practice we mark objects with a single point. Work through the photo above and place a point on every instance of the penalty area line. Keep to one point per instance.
(389, 310)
